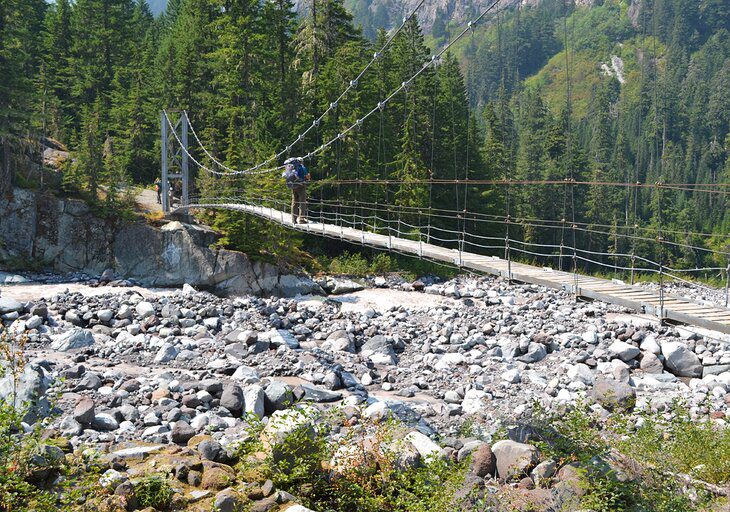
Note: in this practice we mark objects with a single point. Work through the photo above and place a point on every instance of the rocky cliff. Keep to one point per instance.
(65, 235)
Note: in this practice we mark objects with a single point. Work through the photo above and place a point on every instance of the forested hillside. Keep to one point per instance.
(615, 91)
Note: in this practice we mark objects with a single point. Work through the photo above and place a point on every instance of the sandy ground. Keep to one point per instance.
(34, 291)
(382, 299)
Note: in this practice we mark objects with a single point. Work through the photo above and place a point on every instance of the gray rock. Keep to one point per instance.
(679, 360)
(535, 352)
(105, 315)
(10, 305)
(379, 350)
(232, 398)
(715, 369)
(212, 450)
(319, 395)
(181, 432)
(650, 363)
(89, 380)
(30, 390)
(623, 350)
(614, 395)
(342, 286)
(70, 427)
(279, 337)
(104, 421)
(34, 322)
(72, 339)
(85, 411)
(227, 501)
(277, 396)
(166, 353)
(543, 471)
(246, 375)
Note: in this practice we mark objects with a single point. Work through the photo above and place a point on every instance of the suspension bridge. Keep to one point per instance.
(458, 237)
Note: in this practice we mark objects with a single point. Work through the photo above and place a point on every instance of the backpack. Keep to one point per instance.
(294, 174)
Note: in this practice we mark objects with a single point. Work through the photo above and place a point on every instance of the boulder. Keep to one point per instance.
(296, 424)
(680, 361)
(319, 395)
(535, 352)
(144, 309)
(30, 390)
(379, 350)
(623, 351)
(10, 305)
(650, 363)
(253, 398)
(483, 461)
(85, 411)
(614, 395)
(277, 396)
(166, 353)
(513, 459)
(181, 432)
(426, 448)
(72, 339)
(232, 398)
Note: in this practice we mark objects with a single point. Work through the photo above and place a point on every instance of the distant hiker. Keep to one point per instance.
(297, 176)
(158, 189)
(171, 195)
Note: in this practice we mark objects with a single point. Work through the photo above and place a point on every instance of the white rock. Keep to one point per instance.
(582, 373)
(72, 339)
(449, 360)
(650, 345)
(427, 448)
(472, 402)
(253, 399)
(623, 350)
(512, 376)
(145, 309)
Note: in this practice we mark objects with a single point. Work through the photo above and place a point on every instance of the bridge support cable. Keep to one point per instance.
(352, 84)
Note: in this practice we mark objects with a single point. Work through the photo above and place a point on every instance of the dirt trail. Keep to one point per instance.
(147, 200)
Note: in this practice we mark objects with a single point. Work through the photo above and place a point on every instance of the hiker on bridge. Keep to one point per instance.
(297, 176)
(158, 189)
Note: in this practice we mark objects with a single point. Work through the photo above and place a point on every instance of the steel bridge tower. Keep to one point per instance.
(174, 128)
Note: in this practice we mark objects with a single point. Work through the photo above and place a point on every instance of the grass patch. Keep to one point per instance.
(154, 491)
(663, 463)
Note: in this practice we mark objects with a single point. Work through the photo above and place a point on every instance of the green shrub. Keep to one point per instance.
(16, 448)
(364, 480)
(153, 491)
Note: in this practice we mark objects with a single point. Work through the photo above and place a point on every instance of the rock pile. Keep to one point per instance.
(189, 372)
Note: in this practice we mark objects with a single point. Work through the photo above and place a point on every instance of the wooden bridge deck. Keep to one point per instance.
(676, 309)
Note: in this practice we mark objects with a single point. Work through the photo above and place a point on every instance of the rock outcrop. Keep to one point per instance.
(64, 234)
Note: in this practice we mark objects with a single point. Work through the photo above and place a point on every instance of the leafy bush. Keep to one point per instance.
(666, 464)
(16, 448)
(153, 491)
(345, 475)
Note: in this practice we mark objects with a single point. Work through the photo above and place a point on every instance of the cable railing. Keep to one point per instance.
(387, 220)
